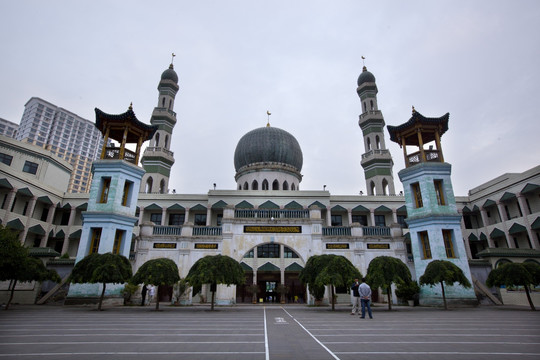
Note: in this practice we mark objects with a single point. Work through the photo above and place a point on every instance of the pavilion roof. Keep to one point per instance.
(117, 124)
(418, 121)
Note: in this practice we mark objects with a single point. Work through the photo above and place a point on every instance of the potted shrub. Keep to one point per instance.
(282, 290)
(253, 289)
(317, 291)
(408, 291)
(129, 290)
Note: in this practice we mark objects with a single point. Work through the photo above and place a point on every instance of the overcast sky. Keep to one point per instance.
(477, 60)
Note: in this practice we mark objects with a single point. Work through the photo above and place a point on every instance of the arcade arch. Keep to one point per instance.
(268, 265)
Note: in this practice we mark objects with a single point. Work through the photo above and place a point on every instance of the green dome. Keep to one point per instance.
(268, 144)
(365, 77)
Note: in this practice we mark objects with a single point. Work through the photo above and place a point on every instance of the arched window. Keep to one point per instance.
(156, 143)
(166, 145)
(246, 186)
(372, 187)
(285, 185)
(239, 187)
(162, 102)
(365, 107)
(162, 189)
(148, 187)
(254, 185)
(265, 184)
(170, 104)
(275, 185)
(369, 144)
(371, 103)
(293, 187)
(385, 187)
(378, 142)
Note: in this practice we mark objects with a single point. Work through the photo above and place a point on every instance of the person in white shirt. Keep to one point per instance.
(365, 298)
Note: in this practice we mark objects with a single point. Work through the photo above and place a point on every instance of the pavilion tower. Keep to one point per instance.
(158, 159)
(110, 217)
(432, 216)
(377, 160)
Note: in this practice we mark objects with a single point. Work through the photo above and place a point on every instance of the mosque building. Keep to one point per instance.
(267, 223)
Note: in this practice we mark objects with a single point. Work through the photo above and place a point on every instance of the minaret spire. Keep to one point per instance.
(377, 160)
(158, 159)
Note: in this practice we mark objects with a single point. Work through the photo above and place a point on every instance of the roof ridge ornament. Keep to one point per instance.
(130, 106)
(413, 110)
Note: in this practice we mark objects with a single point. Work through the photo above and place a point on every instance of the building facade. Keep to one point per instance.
(8, 128)
(267, 223)
(66, 135)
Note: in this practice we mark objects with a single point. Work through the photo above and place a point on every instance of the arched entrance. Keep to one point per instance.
(272, 272)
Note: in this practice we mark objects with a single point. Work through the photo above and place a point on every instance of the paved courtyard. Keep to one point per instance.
(268, 332)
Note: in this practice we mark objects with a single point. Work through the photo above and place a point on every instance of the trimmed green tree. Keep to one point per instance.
(385, 270)
(17, 266)
(158, 272)
(443, 271)
(328, 269)
(102, 269)
(516, 274)
(214, 270)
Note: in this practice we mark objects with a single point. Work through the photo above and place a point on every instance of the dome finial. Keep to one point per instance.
(268, 113)
(364, 63)
(172, 60)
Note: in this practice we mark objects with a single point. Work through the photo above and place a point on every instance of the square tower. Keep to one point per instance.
(432, 216)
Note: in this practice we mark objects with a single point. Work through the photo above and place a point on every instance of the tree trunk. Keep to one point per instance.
(213, 297)
(443, 296)
(14, 282)
(529, 297)
(389, 294)
(102, 296)
(157, 297)
(333, 298)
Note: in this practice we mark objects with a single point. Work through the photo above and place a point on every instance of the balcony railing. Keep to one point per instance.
(431, 156)
(370, 112)
(165, 110)
(346, 231)
(159, 148)
(207, 231)
(114, 153)
(376, 230)
(268, 214)
(167, 230)
(336, 231)
(375, 152)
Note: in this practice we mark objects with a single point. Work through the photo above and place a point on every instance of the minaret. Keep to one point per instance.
(377, 160)
(110, 216)
(432, 217)
(158, 159)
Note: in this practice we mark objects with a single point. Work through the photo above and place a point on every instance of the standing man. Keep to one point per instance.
(151, 292)
(355, 297)
(365, 297)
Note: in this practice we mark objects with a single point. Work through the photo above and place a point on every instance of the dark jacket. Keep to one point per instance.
(354, 289)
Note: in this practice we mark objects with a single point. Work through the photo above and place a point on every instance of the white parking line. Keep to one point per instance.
(310, 334)
(267, 355)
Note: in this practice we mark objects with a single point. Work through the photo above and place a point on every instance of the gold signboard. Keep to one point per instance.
(337, 246)
(272, 229)
(164, 245)
(378, 246)
(206, 246)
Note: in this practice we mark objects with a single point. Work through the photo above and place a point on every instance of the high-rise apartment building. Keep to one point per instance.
(8, 128)
(66, 135)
